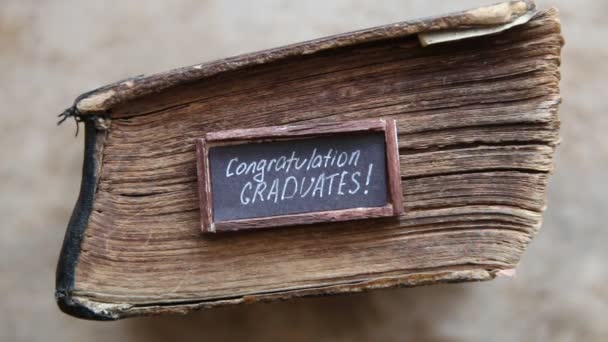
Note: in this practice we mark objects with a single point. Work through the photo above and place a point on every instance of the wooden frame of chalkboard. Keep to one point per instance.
(392, 207)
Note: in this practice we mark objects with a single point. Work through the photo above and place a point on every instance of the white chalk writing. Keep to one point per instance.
(316, 182)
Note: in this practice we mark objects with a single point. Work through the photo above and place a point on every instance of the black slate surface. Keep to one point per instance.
(260, 179)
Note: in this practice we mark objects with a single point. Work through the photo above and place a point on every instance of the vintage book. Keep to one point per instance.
(474, 98)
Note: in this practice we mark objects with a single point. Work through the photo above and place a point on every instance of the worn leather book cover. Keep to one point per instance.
(474, 98)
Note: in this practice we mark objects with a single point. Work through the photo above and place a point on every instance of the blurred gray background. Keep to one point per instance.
(51, 51)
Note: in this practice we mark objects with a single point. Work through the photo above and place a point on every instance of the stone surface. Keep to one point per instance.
(52, 51)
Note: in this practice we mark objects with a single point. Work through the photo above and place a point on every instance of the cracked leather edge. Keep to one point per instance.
(70, 250)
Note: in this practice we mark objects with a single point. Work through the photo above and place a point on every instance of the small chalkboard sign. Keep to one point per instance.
(298, 174)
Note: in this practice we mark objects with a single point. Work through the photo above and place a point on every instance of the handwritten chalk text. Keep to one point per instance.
(318, 182)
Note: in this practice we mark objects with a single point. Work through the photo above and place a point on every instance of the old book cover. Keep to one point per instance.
(474, 96)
